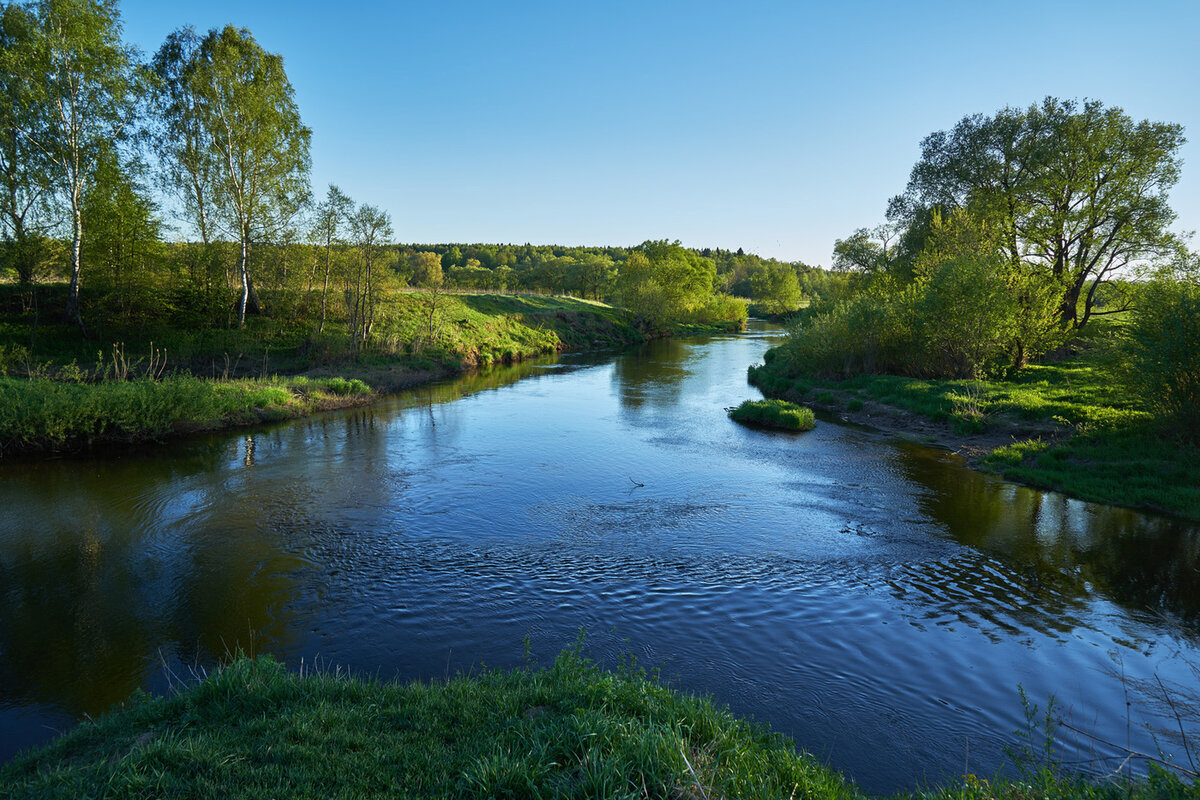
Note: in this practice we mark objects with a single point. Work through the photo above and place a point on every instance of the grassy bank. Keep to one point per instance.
(1065, 426)
(42, 414)
(61, 391)
(255, 730)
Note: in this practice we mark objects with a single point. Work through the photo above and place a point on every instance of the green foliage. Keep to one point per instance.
(774, 414)
(1161, 350)
(662, 282)
(1077, 191)
(776, 288)
(964, 312)
(40, 413)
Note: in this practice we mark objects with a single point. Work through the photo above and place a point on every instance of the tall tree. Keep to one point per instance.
(184, 144)
(123, 237)
(235, 138)
(1077, 191)
(87, 93)
(26, 198)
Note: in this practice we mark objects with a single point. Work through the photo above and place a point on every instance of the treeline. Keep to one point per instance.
(109, 159)
(1016, 232)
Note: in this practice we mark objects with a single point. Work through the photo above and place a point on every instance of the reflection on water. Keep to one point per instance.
(1065, 546)
(873, 599)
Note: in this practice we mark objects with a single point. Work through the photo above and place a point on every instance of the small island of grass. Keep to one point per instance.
(778, 414)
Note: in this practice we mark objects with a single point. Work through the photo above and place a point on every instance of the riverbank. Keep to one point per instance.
(1064, 426)
(254, 729)
(152, 385)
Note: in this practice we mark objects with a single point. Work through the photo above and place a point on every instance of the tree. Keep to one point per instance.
(776, 287)
(661, 282)
(183, 142)
(869, 251)
(87, 94)
(370, 230)
(26, 198)
(427, 270)
(235, 137)
(326, 232)
(123, 233)
(1078, 192)
(1161, 352)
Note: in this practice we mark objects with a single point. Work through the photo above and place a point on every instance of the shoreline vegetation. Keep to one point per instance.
(1028, 304)
(1063, 426)
(254, 729)
(123, 397)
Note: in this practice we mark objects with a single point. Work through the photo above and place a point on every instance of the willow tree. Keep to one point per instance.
(1079, 192)
(235, 139)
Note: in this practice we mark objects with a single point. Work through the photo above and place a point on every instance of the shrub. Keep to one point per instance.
(1162, 352)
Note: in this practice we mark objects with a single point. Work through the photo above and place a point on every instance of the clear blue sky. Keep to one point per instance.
(776, 127)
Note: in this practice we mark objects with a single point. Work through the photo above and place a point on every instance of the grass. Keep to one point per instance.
(571, 730)
(44, 414)
(774, 414)
(1065, 426)
(138, 383)
(446, 329)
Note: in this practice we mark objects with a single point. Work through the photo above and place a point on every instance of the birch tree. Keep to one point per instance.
(87, 96)
(26, 197)
(236, 140)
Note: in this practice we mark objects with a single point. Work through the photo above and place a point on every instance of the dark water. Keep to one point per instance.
(875, 600)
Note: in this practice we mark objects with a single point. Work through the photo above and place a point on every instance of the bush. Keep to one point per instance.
(1162, 352)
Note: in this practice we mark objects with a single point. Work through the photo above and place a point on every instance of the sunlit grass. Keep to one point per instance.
(571, 730)
(774, 414)
(46, 414)
(1071, 427)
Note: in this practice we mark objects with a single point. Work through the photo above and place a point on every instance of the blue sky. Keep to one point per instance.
(777, 127)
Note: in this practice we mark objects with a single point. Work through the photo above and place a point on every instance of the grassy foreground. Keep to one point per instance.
(255, 730)
(1065, 426)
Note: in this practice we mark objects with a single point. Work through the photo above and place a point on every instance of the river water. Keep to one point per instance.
(875, 600)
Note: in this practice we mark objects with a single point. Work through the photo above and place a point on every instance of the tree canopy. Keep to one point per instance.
(1078, 191)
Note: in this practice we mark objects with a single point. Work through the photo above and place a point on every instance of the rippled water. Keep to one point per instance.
(873, 599)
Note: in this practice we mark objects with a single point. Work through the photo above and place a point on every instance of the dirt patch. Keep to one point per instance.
(999, 431)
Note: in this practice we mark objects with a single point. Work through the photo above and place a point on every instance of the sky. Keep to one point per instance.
(776, 127)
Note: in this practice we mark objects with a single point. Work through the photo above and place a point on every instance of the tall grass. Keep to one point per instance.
(40, 413)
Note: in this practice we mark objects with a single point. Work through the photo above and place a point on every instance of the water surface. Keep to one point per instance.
(873, 599)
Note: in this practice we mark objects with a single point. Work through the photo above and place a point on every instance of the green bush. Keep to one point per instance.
(1162, 352)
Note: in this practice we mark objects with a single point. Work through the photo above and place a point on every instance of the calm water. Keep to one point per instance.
(874, 600)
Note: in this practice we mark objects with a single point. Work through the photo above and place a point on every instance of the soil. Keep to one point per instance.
(973, 446)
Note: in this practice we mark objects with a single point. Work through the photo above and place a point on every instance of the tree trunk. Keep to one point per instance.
(72, 312)
(244, 267)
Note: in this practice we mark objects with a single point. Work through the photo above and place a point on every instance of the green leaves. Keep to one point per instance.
(1076, 191)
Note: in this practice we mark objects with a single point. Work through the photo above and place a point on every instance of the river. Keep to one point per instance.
(873, 599)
